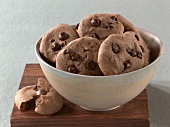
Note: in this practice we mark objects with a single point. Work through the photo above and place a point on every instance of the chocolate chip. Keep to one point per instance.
(77, 25)
(131, 52)
(127, 64)
(95, 22)
(142, 48)
(63, 43)
(91, 65)
(55, 47)
(75, 57)
(124, 30)
(139, 55)
(43, 92)
(94, 35)
(111, 25)
(52, 40)
(114, 18)
(72, 69)
(68, 51)
(128, 49)
(137, 38)
(106, 27)
(115, 48)
(63, 36)
(36, 88)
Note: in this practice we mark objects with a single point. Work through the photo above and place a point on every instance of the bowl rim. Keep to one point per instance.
(109, 76)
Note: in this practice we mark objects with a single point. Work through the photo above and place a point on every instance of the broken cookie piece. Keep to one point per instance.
(25, 98)
(49, 100)
(42, 98)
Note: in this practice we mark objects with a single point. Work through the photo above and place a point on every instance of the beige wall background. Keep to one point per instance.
(22, 22)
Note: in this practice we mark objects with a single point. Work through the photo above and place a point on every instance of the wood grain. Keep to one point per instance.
(133, 114)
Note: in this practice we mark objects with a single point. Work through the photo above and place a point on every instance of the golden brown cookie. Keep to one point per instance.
(54, 40)
(49, 100)
(42, 98)
(80, 57)
(100, 26)
(138, 39)
(119, 54)
(25, 98)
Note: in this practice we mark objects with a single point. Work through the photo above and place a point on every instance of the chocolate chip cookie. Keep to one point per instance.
(25, 98)
(100, 26)
(128, 26)
(145, 50)
(54, 40)
(119, 54)
(80, 57)
(42, 98)
(49, 101)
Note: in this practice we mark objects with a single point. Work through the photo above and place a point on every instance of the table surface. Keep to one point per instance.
(132, 114)
(22, 22)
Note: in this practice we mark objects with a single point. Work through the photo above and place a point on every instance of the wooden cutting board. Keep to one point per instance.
(133, 114)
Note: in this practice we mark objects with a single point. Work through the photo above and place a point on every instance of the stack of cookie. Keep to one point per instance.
(101, 44)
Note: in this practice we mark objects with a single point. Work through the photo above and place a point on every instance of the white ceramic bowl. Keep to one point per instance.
(101, 93)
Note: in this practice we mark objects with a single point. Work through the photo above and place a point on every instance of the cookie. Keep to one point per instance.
(25, 98)
(54, 40)
(49, 100)
(119, 54)
(80, 57)
(100, 26)
(145, 50)
(42, 98)
(128, 26)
